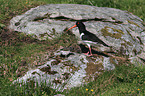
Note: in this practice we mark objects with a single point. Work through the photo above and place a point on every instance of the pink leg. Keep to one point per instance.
(90, 51)
(86, 53)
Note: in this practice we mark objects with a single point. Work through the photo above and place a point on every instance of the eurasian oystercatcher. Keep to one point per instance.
(87, 37)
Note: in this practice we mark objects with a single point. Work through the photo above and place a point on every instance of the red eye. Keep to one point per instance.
(78, 22)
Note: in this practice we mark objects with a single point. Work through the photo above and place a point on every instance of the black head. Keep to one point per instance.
(81, 25)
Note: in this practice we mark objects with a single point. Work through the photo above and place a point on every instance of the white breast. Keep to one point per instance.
(81, 35)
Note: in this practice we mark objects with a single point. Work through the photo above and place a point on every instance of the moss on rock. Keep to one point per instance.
(117, 35)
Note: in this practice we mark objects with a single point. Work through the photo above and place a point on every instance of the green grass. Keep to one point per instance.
(18, 52)
(124, 80)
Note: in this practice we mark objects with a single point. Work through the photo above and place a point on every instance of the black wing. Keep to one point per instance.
(92, 37)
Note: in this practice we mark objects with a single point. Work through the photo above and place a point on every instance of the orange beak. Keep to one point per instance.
(71, 27)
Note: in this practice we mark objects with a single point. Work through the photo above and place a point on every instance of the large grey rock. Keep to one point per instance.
(115, 27)
(120, 29)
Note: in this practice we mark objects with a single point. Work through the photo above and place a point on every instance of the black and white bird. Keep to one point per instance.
(87, 37)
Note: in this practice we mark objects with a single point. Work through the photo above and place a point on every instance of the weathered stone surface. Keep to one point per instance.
(67, 72)
(120, 29)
